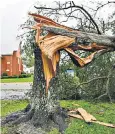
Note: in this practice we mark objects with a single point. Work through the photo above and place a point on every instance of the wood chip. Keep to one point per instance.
(87, 117)
(83, 115)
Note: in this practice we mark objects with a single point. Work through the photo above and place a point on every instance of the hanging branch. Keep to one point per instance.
(90, 37)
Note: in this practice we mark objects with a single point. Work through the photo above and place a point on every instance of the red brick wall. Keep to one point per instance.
(12, 64)
(6, 64)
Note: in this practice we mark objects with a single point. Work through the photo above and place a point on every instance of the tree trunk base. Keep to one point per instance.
(28, 122)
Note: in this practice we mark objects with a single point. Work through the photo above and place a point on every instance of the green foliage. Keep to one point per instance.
(67, 88)
(24, 75)
(5, 77)
(28, 40)
(98, 68)
(15, 76)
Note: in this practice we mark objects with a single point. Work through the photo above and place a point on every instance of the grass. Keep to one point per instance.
(13, 80)
(80, 127)
(76, 126)
(9, 106)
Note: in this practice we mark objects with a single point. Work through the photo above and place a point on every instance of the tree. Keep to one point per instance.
(28, 44)
(94, 77)
(44, 110)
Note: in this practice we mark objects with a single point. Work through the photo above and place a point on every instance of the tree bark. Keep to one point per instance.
(104, 40)
(46, 108)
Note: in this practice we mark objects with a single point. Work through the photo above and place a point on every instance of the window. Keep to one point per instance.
(18, 60)
(8, 62)
(7, 70)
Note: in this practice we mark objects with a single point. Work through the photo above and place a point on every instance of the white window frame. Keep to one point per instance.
(8, 62)
(18, 60)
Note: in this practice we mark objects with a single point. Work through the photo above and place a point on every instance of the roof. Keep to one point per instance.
(6, 55)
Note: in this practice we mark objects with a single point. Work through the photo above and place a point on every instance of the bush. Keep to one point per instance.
(24, 75)
(67, 87)
(23, 72)
(5, 77)
(14, 76)
(29, 75)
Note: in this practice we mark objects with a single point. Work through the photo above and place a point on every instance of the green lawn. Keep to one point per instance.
(13, 80)
(76, 126)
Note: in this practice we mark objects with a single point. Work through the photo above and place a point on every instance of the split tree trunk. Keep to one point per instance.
(47, 110)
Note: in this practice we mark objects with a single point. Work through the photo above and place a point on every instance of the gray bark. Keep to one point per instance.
(88, 37)
(46, 108)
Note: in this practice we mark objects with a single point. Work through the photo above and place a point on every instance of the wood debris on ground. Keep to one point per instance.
(82, 114)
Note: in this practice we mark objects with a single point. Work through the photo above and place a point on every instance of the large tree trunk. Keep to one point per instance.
(46, 107)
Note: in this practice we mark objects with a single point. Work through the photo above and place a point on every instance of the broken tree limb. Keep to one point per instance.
(62, 37)
(90, 37)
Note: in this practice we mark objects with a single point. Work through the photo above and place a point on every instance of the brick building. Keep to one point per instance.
(11, 63)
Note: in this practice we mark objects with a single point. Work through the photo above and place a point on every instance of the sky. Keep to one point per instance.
(12, 14)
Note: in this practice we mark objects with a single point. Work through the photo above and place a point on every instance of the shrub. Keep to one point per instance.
(24, 75)
(23, 72)
(5, 77)
(66, 87)
(14, 76)
(29, 75)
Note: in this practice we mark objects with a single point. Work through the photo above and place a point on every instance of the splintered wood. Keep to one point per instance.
(82, 114)
(51, 44)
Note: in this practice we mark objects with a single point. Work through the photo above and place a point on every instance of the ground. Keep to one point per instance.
(102, 111)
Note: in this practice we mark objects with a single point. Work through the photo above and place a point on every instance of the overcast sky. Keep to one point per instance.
(13, 13)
